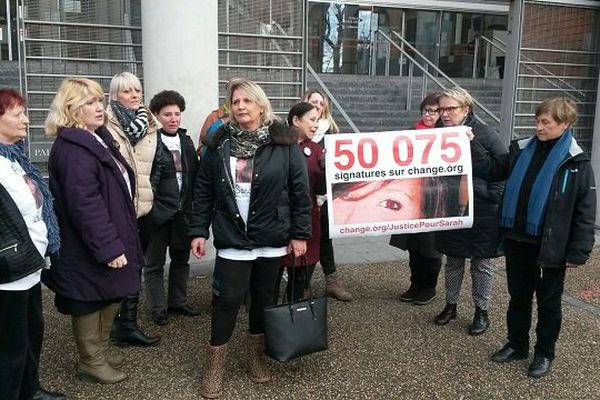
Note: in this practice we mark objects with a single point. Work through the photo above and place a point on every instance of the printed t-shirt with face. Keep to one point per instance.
(173, 143)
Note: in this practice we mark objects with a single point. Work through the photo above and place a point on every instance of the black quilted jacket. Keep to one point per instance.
(18, 255)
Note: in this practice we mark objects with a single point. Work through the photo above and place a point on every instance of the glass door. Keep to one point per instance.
(8, 30)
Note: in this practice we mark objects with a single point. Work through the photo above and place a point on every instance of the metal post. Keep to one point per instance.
(403, 30)
(387, 60)
(476, 56)
(9, 30)
(488, 53)
(511, 70)
(304, 44)
(372, 55)
(409, 89)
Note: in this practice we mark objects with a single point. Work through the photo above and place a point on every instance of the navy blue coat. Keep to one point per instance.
(97, 219)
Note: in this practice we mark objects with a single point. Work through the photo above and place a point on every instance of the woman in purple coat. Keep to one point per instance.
(99, 262)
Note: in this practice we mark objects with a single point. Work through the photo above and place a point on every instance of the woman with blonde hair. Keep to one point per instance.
(252, 187)
(478, 243)
(327, 125)
(100, 259)
(134, 129)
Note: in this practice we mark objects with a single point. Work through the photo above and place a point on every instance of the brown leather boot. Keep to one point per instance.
(212, 377)
(107, 316)
(334, 288)
(258, 369)
(92, 363)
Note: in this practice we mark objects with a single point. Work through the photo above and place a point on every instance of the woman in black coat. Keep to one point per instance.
(172, 181)
(478, 243)
(547, 219)
(99, 262)
(252, 187)
(28, 233)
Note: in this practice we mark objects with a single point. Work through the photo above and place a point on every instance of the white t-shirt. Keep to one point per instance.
(241, 171)
(173, 143)
(28, 198)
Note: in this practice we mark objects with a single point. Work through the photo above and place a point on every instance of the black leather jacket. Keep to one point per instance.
(280, 207)
(18, 255)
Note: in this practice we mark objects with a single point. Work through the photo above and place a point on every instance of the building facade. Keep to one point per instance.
(530, 49)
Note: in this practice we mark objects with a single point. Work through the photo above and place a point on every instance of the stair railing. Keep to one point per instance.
(539, 70)
(426, 73)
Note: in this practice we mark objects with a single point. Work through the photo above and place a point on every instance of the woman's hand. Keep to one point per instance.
(470, 133)
(298, 247)
(118, 262)
(198, 246)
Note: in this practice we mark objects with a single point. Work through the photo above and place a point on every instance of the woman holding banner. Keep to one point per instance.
(424, 261)
(547, 220)
(327, 125)
(252, 187)
(478, 243)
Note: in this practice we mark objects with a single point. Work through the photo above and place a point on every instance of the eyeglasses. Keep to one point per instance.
(449, 110)
(429, 111)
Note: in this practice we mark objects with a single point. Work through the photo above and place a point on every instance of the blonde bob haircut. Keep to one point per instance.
(123, 81)
(326, 113)
(562, 109)
(460, 95)
(65, 109)
(254, 93)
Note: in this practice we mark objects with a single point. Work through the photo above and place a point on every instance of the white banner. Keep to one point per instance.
(380, 183)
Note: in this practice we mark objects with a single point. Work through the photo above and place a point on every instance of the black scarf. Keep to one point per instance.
(134, 123)
(16, 152)
(245, 143)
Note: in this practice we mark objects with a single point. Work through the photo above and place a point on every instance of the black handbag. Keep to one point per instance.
(296, 329)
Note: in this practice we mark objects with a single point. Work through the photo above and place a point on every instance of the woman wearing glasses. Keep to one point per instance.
(478, 243)
(424, 261)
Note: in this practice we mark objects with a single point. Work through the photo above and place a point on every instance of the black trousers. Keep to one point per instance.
(163, 237)
(21, 334)
(525, 278)
(424, 270)
(231, 281)
(326, 256)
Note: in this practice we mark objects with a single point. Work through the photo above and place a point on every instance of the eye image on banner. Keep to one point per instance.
(383, 183)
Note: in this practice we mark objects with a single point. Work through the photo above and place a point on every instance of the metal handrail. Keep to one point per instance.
(527, 63)
(259, 36)
(436, 69)
(332, 98)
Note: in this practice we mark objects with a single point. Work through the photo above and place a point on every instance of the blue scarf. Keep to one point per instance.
(16, 152)
(540, 191)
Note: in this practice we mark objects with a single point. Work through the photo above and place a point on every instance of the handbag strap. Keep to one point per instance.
(302, 264)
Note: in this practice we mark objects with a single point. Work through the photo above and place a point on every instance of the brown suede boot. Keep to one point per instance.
(212, 377)
(334, 288)
(258, 369)
(107, 316)
(92, 363)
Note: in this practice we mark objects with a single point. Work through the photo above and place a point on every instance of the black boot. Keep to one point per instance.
(448, 313)
(411, 293)
(480, 322)
(125, 331)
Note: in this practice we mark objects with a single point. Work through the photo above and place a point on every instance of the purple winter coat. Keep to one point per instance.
(96, 217)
